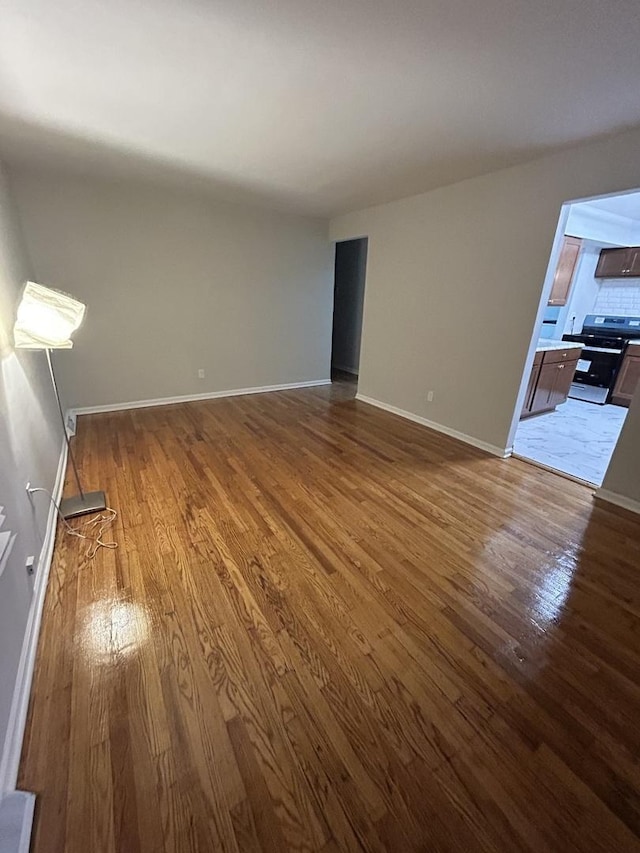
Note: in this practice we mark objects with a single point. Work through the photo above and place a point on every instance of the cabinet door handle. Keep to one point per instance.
(561, 366)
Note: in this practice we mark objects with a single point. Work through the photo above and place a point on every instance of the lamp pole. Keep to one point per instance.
(64, 426)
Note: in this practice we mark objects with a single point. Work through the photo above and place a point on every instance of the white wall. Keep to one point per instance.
(619, 296)
(592, 223)
(454, 279)
(623, 475)
(30, 444)
(350, 276)
(175, 282)
(599, 229)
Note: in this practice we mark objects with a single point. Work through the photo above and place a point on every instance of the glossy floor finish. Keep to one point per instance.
(578, 438)
(330, 629)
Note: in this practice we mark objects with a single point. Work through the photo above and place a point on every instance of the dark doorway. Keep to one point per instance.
(348, 300)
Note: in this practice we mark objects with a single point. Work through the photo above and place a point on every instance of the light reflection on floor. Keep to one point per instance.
(555, 585)
(113, 630)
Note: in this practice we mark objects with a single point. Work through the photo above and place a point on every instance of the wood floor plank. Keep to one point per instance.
(326, 628)
(267, 825)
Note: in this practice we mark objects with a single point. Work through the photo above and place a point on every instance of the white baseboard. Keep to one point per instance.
(12, 747)
(502, 452)
(617, 500)
(16, 821)
(189, 398)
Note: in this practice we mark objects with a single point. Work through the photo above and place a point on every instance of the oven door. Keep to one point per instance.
(597, 369)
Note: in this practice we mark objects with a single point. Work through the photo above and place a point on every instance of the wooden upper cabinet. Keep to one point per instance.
(634, 262)
(619, 263)
(564, 271)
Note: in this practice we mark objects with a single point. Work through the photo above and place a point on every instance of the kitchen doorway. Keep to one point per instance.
(586, 361)
(348, 305)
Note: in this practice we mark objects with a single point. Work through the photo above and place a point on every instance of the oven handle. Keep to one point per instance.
(601, 349)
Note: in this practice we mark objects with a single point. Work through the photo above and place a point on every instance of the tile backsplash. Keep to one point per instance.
(619, 296)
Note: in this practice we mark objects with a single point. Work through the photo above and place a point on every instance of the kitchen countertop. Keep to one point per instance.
(546, 344)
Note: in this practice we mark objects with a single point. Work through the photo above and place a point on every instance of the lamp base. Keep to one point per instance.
(83, 504)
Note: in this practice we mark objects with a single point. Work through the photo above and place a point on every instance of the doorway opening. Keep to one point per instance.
(586, 350)
(348, 304)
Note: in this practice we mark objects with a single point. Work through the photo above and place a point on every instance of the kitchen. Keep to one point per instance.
(587, 361)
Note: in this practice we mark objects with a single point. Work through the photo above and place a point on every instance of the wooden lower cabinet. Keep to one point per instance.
(550, 381)
(531, 387)
(628, 377)
(553, 386)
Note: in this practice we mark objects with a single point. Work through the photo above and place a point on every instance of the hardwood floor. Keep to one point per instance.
(329, 629)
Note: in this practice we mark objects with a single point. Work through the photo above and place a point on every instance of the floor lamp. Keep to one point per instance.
(46, 319)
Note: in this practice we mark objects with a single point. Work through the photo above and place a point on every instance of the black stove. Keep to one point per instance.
(606, 341)
(605, 338)
(607, 331)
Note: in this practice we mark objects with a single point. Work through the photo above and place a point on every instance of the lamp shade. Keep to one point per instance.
(46, 318)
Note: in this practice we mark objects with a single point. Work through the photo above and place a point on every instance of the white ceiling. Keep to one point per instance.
(627, 205)
(321, 105)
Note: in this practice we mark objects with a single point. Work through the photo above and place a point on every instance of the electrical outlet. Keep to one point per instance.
(201, 373)
(430, 397)
(70, 422)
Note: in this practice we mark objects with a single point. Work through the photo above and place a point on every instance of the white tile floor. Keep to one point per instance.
(578, 438)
